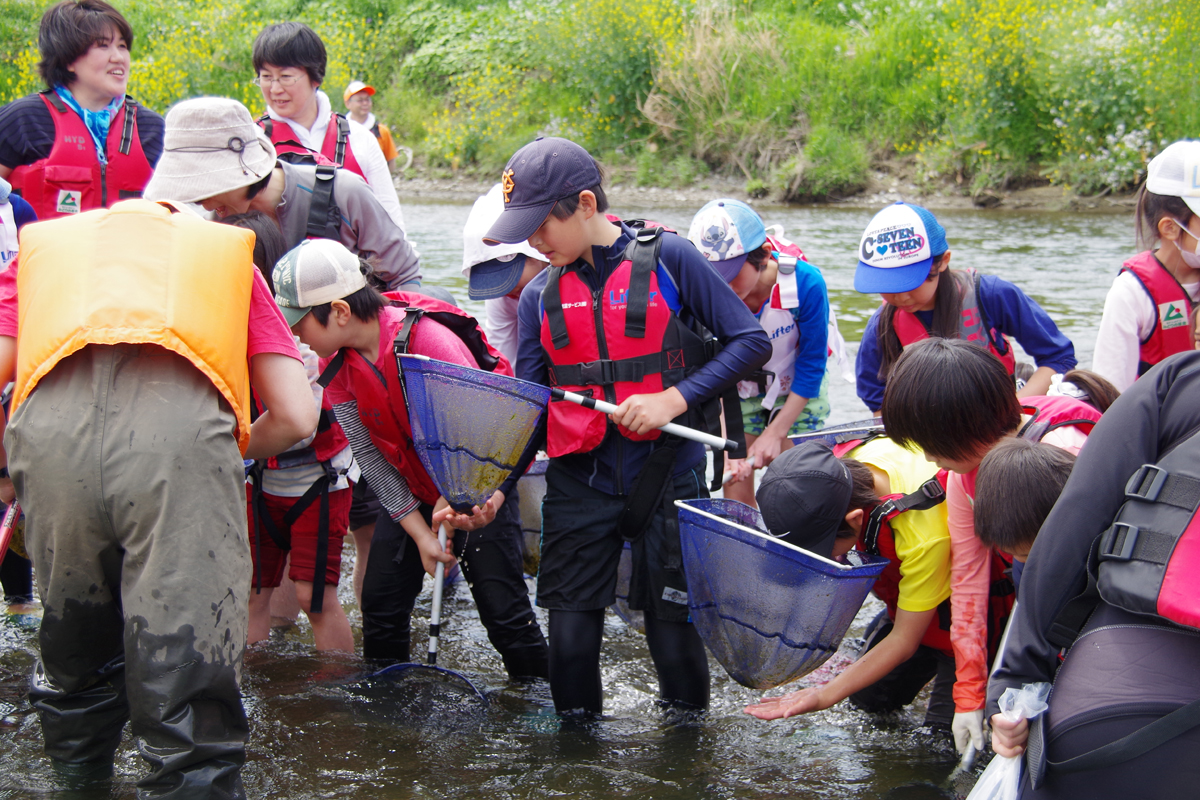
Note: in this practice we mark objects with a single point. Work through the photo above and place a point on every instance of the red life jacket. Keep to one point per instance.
(329, 441)
(1172, 307)
(380, 395)
(71, 178)
(621, 338)
(1050, 413)
(973, 325)
(335, 149)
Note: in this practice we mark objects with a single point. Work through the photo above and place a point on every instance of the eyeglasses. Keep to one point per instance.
(282, 80)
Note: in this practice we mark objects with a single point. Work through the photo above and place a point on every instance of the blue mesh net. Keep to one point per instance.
(470, 427)
(836, 434)
(769, 612)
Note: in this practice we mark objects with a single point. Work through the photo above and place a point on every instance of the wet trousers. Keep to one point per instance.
(125, 457)
(902, 685)
(492, 565)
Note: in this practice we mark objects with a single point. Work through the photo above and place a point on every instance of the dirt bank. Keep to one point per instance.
(883, 188)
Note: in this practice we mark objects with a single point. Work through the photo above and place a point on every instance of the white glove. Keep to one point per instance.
(967, 728)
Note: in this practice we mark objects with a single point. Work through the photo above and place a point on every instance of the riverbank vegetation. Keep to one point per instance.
(801, 98)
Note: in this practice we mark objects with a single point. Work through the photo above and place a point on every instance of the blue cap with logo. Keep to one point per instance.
(897, 249)
(724, 231)
(537, 176)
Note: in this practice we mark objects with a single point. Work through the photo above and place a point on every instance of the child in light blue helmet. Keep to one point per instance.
(789, 298)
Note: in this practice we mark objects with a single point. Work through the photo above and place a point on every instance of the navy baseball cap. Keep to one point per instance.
(804, 496)
(496, 278)
(897, 249)
(537, 176)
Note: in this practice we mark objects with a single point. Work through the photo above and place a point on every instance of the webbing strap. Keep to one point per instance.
(331, 369)
(633, 369)
(1155, 485)
(552, 303)
(643, 253)
(343, 136)
(55, 101)
(930, 494)
(1125, 542)
(1140, 742)
(127, 128)
(321, 223)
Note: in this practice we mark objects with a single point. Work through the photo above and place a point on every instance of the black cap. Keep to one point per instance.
(537, 176)
(804, 496)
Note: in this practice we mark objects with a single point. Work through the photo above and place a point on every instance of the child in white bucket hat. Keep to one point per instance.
(214, 155)
(1146, 312)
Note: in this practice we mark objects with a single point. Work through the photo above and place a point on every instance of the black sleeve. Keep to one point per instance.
(1158, 411)
(26, 131)
(150, 131)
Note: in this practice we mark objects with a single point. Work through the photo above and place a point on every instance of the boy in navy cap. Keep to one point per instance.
(618, 315)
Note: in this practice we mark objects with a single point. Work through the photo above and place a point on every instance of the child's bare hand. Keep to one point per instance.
(1009, 738)
(642, 413)
(788, 705)
(480, 517)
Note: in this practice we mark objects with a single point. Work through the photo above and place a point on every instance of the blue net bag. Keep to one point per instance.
(470, 428)
(768, 611)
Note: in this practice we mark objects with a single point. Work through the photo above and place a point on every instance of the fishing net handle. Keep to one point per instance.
(683, 432)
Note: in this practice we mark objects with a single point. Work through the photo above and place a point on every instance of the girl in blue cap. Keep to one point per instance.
(904, 257)
(790, 300)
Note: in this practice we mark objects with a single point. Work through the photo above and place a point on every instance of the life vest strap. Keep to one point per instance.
(1153, 484)
(634, 369)
(642, 252)
(323, 218)
(552, 303)
(331, 369)
(127, 127)
(930, 494)
(55, 100)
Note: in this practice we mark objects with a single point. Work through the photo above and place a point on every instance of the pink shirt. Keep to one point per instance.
(970, 580)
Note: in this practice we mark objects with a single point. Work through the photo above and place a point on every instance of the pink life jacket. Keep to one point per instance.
(1172, 309)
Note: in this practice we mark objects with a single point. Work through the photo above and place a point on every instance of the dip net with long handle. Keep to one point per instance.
(471, 428)
(768, 611)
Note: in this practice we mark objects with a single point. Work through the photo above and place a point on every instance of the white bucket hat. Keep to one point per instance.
(210, 146)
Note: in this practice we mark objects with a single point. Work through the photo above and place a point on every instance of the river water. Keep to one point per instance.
(311, 738)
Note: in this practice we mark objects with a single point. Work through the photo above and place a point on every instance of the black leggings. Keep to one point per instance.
(491, 563)
(575, 638)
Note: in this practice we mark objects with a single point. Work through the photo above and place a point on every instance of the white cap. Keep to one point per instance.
(1175, 172)
(313, 272)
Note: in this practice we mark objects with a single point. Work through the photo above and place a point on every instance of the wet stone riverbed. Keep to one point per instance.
(316, 732)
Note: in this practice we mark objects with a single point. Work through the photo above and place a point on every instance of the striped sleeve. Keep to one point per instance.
(385, 480)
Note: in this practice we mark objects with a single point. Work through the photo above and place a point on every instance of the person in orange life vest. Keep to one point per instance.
(1018, 483)
(217, 135)
(815, 500)
(497, 274)
(292, 485)
(82, 143)
(142, 558)
(904, 257)
(792, 304)
(955, 401)
(289, 68)
(554, 200)
(357, 98)
(324, 295)
(1146, 310)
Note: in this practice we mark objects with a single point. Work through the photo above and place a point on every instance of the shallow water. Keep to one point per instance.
(312, 737)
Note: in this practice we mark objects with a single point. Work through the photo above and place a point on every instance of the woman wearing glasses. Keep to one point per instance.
(289, 62)
(82, 143)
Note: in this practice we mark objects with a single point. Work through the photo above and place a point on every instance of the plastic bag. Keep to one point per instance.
(1002, 778)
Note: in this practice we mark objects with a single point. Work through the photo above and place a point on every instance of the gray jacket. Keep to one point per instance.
(366, 227)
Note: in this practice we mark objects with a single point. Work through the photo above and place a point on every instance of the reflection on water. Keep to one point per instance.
(316, 734)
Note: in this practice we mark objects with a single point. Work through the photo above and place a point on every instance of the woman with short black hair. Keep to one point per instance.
(82, 143)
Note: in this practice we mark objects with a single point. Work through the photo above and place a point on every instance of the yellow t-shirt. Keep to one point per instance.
(922, 537)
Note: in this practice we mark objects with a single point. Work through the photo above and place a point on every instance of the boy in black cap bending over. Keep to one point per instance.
(811, 498)
(619, 316)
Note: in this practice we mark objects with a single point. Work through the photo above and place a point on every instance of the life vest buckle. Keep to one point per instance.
(1118, 542)
(597, 373)
(1147, 483)
(933, 489)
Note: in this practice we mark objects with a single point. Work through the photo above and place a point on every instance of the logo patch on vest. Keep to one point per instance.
(68, 201)
(1172, 315)
(674, 596)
